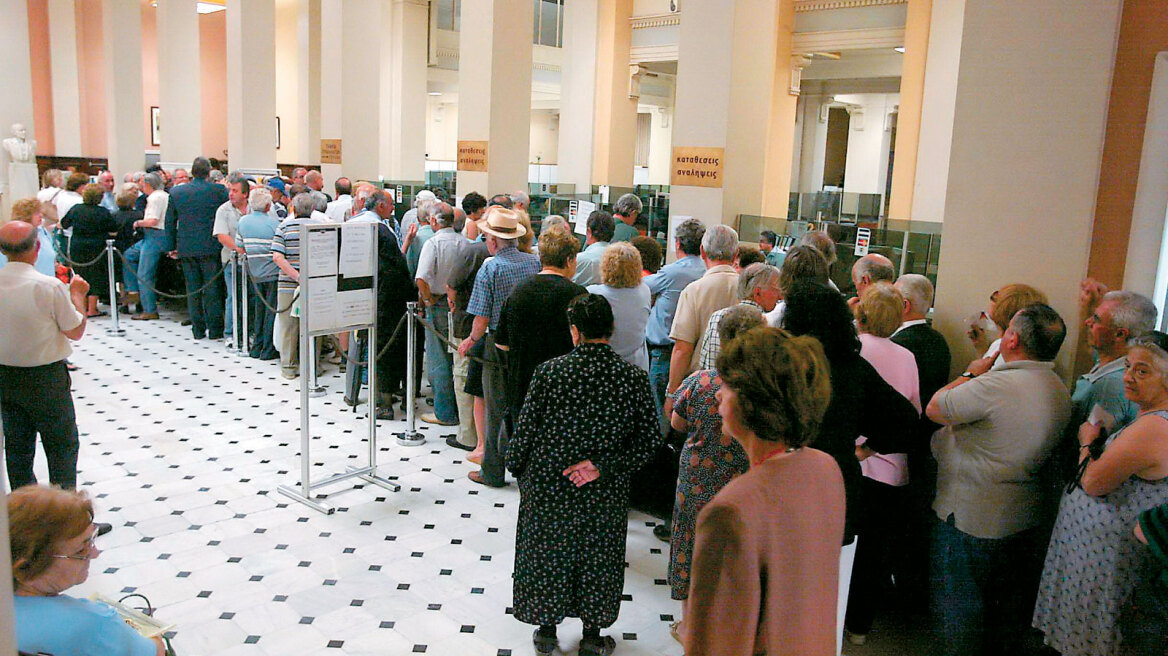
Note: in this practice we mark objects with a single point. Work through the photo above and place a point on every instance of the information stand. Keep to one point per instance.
(338, 293)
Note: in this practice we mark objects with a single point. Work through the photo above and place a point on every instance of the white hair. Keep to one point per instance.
(918, 290)
(259, 200)
(521, 198)
(720, 243)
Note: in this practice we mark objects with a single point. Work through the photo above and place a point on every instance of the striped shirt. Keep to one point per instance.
(286, 242)
(256, 232)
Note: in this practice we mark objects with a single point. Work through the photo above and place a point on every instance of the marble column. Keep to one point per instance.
(351, 86)
(908, 122)
(404, 79)
(180, 113)
(578, 94)
(251, 84)
(494, 92)
(65, 75)
(308, 41)
(615, 135)
(123, 90)
(733, 93)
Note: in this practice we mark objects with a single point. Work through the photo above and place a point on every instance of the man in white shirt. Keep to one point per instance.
(226, 226)
(142, 258)
(41, 315)
(439, 256)
(339, 209)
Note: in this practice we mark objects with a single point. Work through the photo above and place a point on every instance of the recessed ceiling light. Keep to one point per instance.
(899, 49)
(435, 93)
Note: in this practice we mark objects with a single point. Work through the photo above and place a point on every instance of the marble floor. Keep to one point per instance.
(184, 444)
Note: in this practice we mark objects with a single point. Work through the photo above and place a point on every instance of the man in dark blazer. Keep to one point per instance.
(931, 353)
(195, 204)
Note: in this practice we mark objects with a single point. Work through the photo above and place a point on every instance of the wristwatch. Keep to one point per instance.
(968, 374)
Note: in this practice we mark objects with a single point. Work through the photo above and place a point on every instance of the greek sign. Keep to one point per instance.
(697, 167)
(330, 151)
(472, 156)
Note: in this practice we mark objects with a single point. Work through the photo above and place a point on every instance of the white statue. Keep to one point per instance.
(23, 180)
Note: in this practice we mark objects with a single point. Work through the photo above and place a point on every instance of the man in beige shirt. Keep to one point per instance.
(999, 429)
(41, 315)
(716, 289)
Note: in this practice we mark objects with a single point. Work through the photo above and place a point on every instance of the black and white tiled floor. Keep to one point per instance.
(183, 445)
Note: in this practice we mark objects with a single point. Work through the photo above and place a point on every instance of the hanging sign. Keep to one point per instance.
(472, 156)
(330, 151)
(697, 167)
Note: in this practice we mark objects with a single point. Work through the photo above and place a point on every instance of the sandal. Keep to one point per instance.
(544, 644)
(602, 646)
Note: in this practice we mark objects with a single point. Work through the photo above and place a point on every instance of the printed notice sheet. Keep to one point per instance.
(356, 307)
(322, 302)
(357, 241)
(585, 210)
(322, 253)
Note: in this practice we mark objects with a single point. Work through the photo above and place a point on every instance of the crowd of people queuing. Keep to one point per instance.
(1011, 511)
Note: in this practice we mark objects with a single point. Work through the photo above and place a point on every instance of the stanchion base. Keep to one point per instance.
(317, 502)
(116, 331)
(317, 392)
(409, 438)
(294, 494)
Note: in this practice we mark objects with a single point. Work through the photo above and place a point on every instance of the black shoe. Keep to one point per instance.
(453, 441)
(185, 322)
(544, 644)
(602, 646)
(663, 532)
(103, 528)
(385, 412)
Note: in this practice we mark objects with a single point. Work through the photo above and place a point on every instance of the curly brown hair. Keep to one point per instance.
(40, 517)
(783, 384)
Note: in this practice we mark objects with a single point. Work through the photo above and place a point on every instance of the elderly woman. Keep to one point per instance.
(91, 224)
(766, 562)
(758, 287)
(883, 527)
(620, 273)
(861, 402)
(51, 533)
(710, 458)
(1004, 304)
(1094, 560)
(588, 424)
(128, 215)
(801, 264)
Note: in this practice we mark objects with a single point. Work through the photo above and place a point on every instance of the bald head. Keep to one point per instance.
(871, 268)
(18, 241)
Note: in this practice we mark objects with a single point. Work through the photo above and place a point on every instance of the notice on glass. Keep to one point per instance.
(584, 211)
(322, 252)
(356, 307)
(356, 259)
(322, 303)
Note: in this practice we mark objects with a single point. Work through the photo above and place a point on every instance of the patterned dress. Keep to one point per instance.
(709, 460)
(570, 541)
(1093, 564)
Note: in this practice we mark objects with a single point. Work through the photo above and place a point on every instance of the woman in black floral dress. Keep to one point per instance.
(587, 424)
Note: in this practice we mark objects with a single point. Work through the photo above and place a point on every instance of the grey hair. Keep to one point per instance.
(320, 200)
(738, 319)
(303, 204)
(215, 175)
(876, 267)
(1133, 312)
(627, 204)
(235, 177)
(822, 242)
(443, 214)
(504, 243)
(154, 180)
(552, 220)
(918, 290)
(259, 200)
(689, 236)
(459, 219)
(377, 197)
(755, 276)
(521, 197)
(720, 243)
(1040, 330)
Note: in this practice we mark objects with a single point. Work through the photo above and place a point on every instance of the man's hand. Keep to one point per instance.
(582, 473)
(466, 345)
(78, 286)
(982, 365)
(1091, 292)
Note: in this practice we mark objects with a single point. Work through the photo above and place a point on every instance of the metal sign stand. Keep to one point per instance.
(309, 281)
(411, 436)
(113, 288)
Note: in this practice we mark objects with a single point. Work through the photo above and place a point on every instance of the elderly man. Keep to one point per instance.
(599, 233)
(195, 204)
(181, 177)
(496, 279)
(299, 175)
(422, 233)
(438, 258)
(105, 180)
(758, 286)
(279, 200)
(315, 183)
(625, 212)
(666, 286)
(520, 201)
(255, 233)
(716, 289)
(869, 270)
(999, 430)
(411, 218)
(142, 258)
(226, 224)
(41, 315)
(286, 254)
(1119, 317)
(338, 210)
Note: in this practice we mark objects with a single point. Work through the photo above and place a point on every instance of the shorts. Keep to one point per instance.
(474, 370)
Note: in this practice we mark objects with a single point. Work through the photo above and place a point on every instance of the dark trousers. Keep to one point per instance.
(883, 530)
(983, 590)
(495, 390)
(39, 400)
(262, 320)
(206, 307)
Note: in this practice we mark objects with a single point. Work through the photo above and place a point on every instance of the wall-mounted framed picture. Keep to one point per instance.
(155, 129)
(277, 133)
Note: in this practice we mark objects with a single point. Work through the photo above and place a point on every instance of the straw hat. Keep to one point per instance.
(502, 223)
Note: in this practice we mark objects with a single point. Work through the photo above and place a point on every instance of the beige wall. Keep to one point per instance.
(91, 78)
(291, 148)
(149, 67)
(213, 56)
(545, 137)
(42, 78)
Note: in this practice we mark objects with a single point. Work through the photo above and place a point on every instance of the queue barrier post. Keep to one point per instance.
(241, 280)
(233, 299)
(113, 287)
(411, 436)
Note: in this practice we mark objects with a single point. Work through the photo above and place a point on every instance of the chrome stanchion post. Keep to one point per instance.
(233, 299)
(411, 436)
(242, 291)
(113, 287)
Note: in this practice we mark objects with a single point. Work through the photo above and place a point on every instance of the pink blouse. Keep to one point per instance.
(898, 368)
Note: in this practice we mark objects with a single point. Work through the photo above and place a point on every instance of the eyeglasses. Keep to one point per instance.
(84, 553)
